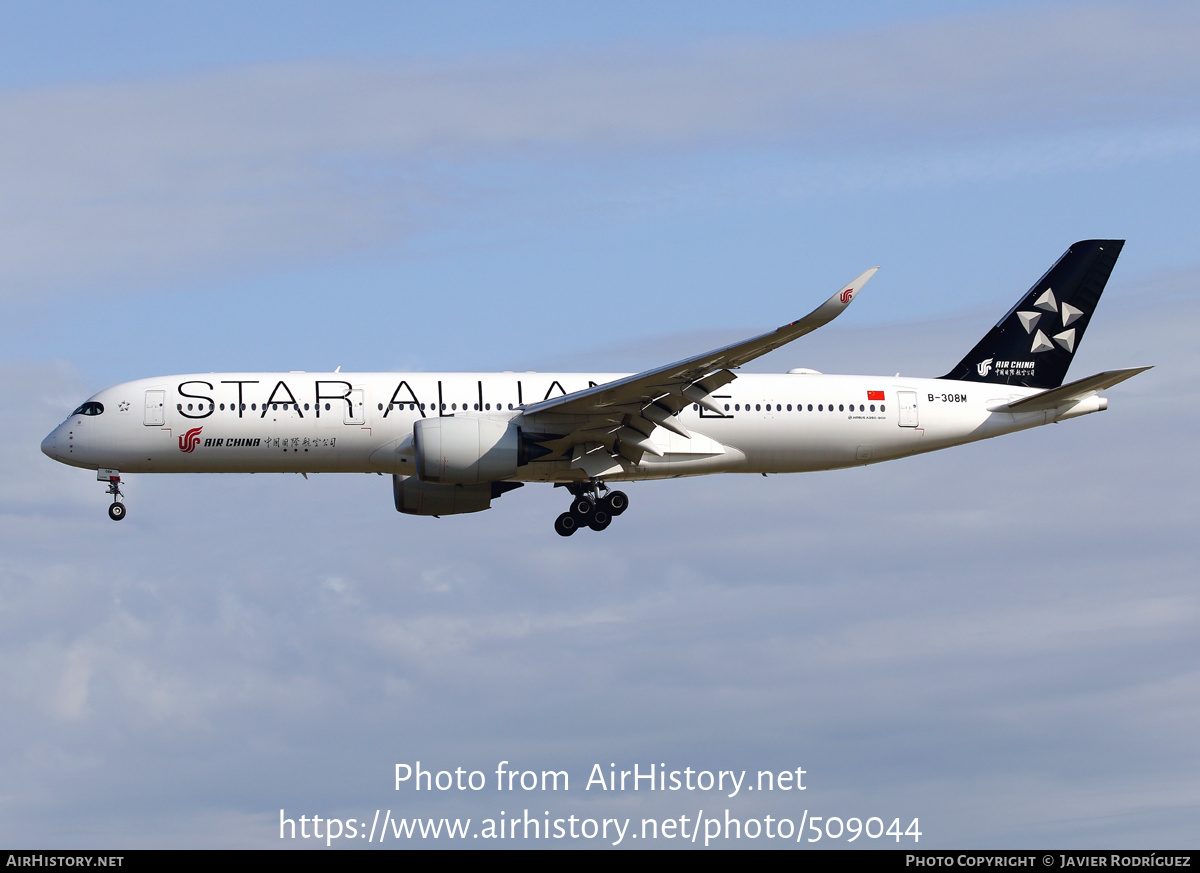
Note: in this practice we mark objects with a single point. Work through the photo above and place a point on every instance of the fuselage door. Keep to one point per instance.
(355, 412)
(156, 404)
(908, 408)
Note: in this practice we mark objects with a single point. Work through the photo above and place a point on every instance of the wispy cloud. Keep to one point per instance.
(139, 180)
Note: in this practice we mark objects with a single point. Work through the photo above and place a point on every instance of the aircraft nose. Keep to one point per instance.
(50, 445)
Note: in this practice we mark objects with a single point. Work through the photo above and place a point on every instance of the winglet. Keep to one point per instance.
(835, 305)
(847, 294)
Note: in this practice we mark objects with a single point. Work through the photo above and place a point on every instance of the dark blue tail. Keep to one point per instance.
(1034, 343)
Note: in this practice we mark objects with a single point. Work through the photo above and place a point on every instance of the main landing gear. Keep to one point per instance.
(116, 510)
(589, 509)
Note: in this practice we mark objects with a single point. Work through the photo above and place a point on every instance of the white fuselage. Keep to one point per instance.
(363, 422)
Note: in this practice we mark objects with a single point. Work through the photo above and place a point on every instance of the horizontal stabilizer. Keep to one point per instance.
(1072, 391)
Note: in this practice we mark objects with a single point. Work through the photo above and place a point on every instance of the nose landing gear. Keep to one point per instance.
(116, 511)
(589, 509)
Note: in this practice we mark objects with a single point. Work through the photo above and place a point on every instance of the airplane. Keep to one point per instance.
(454, 442)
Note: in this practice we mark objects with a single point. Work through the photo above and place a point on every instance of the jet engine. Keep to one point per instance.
(467, 450)
(415, 497)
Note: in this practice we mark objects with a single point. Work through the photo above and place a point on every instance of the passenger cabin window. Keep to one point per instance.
(89, 408)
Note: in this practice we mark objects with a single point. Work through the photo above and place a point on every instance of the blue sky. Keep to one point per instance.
(53, 43)
(995, 638)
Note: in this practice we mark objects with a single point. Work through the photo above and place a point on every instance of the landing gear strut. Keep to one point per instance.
(116, 510)
(589, 508)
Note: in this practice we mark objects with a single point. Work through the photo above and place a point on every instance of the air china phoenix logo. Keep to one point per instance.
(984, 367)
(191, 439)
(847, 295)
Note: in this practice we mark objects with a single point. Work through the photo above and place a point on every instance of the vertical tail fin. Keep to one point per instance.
(1034, 343)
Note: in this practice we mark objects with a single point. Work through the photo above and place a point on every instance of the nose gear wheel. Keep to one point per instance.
(116, 510)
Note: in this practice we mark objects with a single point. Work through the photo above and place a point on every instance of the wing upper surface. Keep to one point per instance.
(652, 384)
(617, 418)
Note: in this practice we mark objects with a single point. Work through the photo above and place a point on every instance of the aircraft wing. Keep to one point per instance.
(619, 416)
(1072, 391)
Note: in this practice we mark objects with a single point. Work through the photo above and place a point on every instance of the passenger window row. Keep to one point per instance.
(209, 407)
(94, 408)
(800, 407)
(446, 407)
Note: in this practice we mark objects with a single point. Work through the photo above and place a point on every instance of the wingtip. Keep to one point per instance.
(836, 304)
(850, 291)
(864, 277)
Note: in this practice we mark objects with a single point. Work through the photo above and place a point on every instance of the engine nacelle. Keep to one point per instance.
(467, 450)
(415, 497)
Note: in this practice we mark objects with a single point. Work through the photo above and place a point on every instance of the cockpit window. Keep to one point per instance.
(89, 408)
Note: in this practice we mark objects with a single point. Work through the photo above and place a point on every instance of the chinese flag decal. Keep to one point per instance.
(874, 395)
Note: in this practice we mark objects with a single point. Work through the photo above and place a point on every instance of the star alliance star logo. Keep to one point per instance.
(1067, 313)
